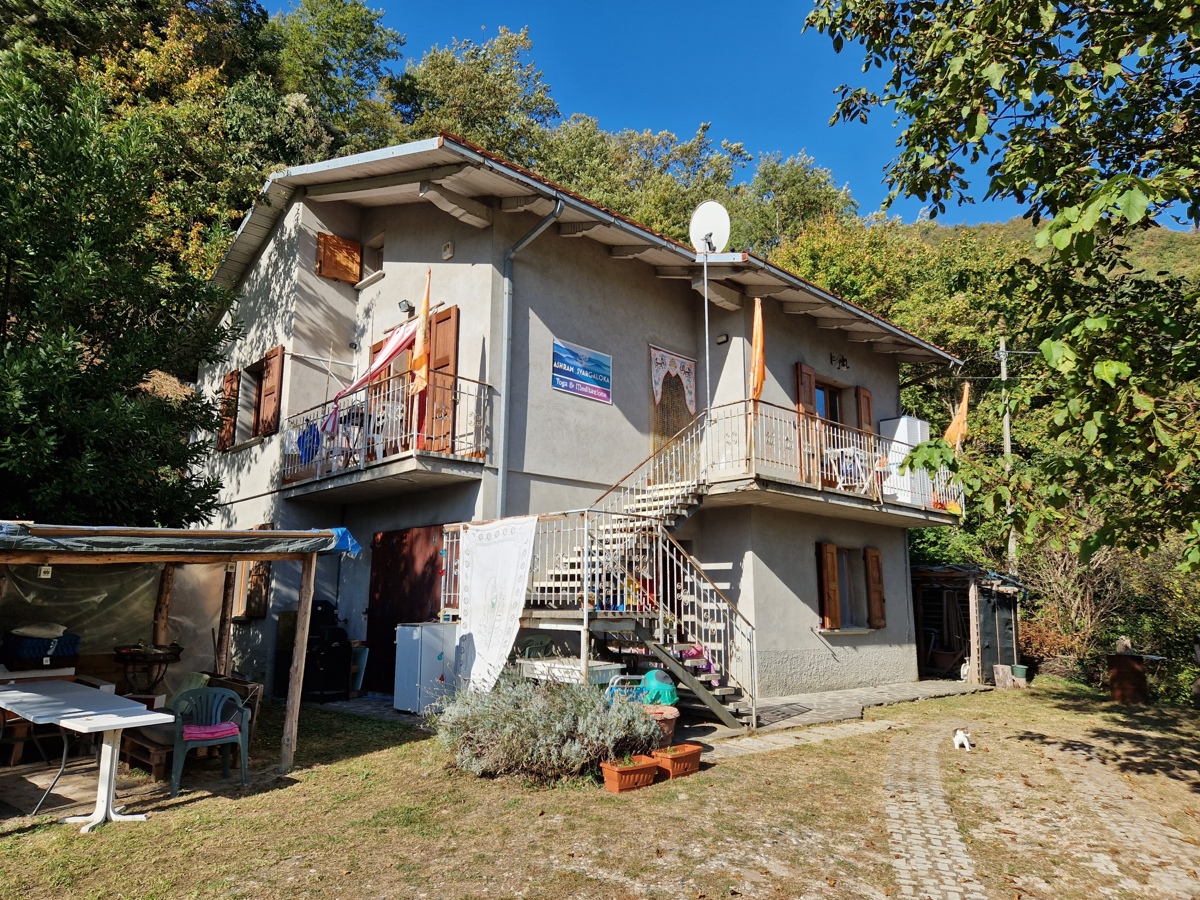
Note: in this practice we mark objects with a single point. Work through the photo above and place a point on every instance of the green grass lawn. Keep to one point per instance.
(375, 809)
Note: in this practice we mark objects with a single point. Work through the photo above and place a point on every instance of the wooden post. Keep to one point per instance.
(162, 605)
(975, 676)
(221, 663)
(291, 719)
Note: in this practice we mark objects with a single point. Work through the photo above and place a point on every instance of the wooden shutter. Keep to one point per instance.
(227, 434)
(873, 562)
(866, 409)
(258, 585)
(831, 596)
(806, 390)
(443, 369)
(267, 413)
(339, 258)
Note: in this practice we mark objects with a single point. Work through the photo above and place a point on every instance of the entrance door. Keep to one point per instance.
(443, 369)
(406, 586)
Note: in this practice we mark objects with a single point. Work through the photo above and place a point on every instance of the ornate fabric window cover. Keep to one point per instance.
(664, 363)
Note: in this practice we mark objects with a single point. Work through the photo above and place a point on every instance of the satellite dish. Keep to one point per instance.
(709, 229)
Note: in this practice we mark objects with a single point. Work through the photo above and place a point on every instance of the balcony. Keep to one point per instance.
(387, 439)
(751, 444)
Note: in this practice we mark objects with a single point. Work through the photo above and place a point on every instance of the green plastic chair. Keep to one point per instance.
(210, 707)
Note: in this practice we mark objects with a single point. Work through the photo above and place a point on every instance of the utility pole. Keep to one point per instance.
(1007, 430)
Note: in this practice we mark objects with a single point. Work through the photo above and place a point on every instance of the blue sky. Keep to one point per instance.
(668, 65)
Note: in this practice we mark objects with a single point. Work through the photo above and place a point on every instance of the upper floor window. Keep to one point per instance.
(828, 402)
(250, 401)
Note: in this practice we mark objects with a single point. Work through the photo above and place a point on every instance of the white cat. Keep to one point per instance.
(962, 738)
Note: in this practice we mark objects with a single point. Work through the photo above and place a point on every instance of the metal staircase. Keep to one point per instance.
(616, 571)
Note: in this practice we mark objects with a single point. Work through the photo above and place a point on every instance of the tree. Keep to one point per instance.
(487, 93)
(89, 309)
(337, 53)
(783, 196)
(1084, 113)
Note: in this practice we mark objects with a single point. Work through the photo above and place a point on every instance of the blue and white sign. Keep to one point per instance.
(583, 372)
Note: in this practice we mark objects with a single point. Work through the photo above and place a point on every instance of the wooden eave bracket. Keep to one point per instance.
(472, 212)
(575, 229)
(718, 294)
(630, 251)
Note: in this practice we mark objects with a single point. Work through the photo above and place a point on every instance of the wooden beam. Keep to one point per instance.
(674, 271)
(719, 294)
(629, 251)
(65, 557)
(830, 322)
(221, 663)
(575, 229)
(462, 208)
(347, 188)
(291, 716)
(765, 290)
(162, 605)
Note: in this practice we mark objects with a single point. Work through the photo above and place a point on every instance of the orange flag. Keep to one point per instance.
(957, 432)
(758, 354)
(420, 356)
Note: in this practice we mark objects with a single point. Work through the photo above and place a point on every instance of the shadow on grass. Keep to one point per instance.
(1141, 740)
(325, 736)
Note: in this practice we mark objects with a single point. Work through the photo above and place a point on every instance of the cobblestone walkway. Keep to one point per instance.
(929, 856)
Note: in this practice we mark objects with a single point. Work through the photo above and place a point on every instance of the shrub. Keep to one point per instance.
(542, 731)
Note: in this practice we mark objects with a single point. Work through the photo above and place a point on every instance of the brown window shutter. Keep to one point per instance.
(339, 258)
(258, 585)
(866, 409)
(267, 418)
(831, 597)
(806, 390)
(227, 434)
(873, 562)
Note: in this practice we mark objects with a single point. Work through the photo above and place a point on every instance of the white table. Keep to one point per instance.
(85, 710)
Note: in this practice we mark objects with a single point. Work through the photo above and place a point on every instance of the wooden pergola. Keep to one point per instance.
(24, 543)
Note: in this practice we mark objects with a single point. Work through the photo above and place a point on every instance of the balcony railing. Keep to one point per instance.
(385, 420)
(753, 438)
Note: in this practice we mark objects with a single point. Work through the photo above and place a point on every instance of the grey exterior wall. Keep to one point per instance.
(564, 450)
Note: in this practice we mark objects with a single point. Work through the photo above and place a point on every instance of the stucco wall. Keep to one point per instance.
(793, 656)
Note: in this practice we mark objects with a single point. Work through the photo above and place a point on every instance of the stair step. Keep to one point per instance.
(723, 691)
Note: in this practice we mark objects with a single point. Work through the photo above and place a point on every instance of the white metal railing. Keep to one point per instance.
(385, 420)
(662, 482)
(778, 443)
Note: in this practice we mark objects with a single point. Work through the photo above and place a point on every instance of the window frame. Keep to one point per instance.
(835, 597)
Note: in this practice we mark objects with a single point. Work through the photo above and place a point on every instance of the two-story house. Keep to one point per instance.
(765, 540)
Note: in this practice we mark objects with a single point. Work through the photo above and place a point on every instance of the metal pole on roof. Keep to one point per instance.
(707, 366)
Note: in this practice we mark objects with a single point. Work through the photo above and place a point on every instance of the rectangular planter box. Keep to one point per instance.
(684, 761)
(618, 779)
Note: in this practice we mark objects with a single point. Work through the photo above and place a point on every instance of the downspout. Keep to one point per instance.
(506, 356)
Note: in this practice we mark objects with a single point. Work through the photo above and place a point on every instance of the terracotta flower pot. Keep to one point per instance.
(619, 778)
(679, 760)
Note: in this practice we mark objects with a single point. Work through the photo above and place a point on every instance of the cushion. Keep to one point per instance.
(40, 630)
(210, 732)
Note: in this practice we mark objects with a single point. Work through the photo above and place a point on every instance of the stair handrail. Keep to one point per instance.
(637, 479)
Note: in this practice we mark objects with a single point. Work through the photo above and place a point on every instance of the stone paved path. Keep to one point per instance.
(929, 856)
(767, 743)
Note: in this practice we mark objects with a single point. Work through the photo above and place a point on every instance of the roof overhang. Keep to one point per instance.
(474, 185)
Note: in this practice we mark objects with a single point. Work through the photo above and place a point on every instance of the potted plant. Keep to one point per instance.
(629, 773)
(679, 759)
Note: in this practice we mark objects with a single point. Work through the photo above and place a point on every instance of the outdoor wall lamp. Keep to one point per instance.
(406, 307)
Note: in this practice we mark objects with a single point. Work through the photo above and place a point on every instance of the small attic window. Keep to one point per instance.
(372, 261)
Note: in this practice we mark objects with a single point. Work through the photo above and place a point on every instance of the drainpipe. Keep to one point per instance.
(506, 356)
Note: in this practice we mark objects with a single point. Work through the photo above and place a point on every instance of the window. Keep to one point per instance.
(851, 587)
(250, 400)
(252, 585)
(828, 402)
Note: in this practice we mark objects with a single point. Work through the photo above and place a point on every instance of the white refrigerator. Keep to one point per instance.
(424, 665)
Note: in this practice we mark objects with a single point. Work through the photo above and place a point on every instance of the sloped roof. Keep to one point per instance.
(401, 174)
